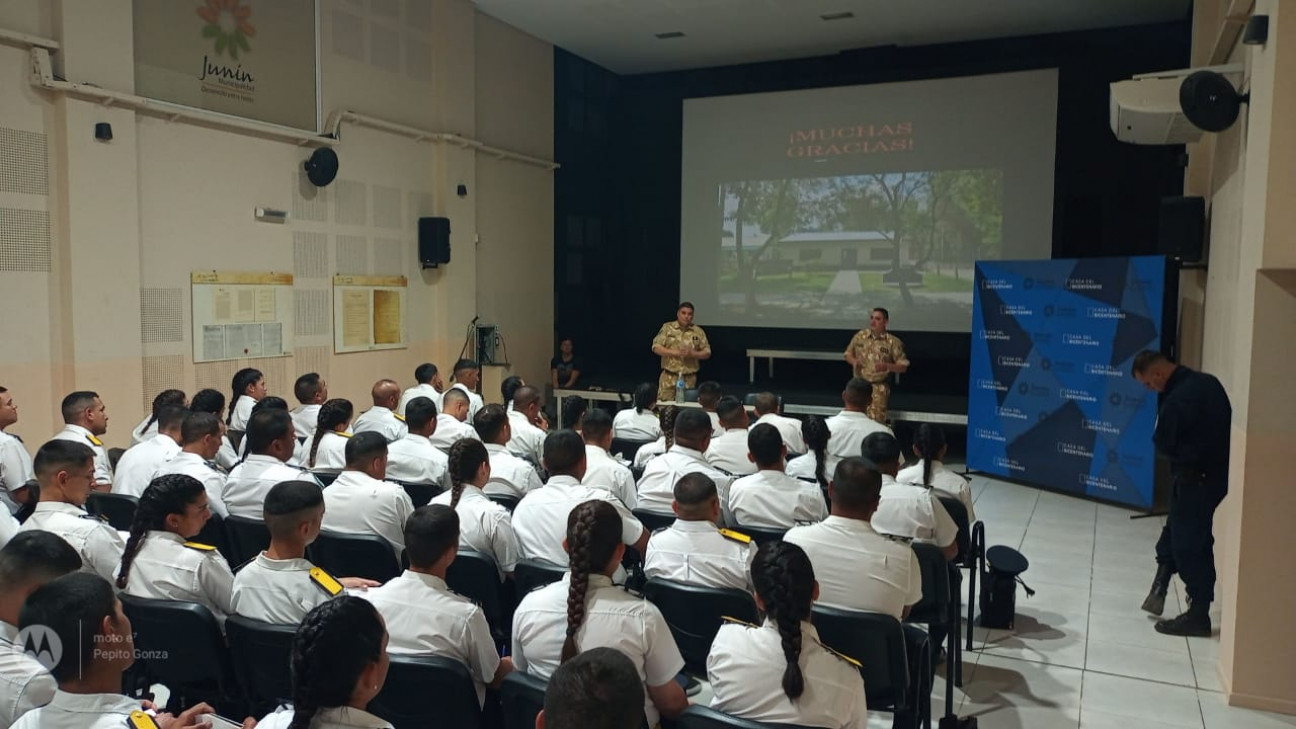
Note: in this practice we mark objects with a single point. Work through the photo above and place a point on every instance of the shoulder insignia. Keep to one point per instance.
(735, 536)
(200, 547)
(399, 417)
(325, 581)
(96, 442)
(898, 538)
(95, 517)
(842, 656)
(736, 621)
(140, 720)
(343, 433)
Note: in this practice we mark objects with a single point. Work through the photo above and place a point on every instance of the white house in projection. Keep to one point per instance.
(868, 250)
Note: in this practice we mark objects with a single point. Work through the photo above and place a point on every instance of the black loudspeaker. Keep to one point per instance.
(1181, 232)
(322, 166)
(434, 241)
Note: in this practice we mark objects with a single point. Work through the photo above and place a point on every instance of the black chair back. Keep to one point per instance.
(958, 512)
(934, 607)
(653, 520)
(697, 716)
(507, 501)
(877, 642)
(325, 478)
(476, 576)
(262, 653)
(181, 645)
(627, 448)
(428, 691)
(235, 438)
(213, 533)
(354, 555)
(530, 574)
(118, 509)
(762, 535)
(420, 493)
(521, 698)
(246, 539)
(695, 614)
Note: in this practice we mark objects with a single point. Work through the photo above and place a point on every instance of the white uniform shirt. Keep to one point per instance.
(848, 430)
(81, 711)
(789, 428)
(475, 403)
(103, 472)
(357, 503)
(227, 457)
(382, 421)
(631, 424)
(729, 453)
(696, 553)
(250, 481)
(657, 485)
(914, 512)
(649, 451)
(305, 418)
(745, 668)
(213, 481)
(510, 475)
(484, 526)
(425, 618)
(413, 459)
(338, 717)
(24, 682)
(99, 545)
(614, 618)
(299, 458)
(278, 591)
(138, 464)
(803, 467)
(859, 569)
(144, 430)
(540, 520)
(8, 526)
(240, 412)
(776, 500)
(424, 390)
(528, 440)
(450, 431)
(605, 472)
(943, 481)
(717, 429)
(15, 469)
(165, 569)
(330, 457)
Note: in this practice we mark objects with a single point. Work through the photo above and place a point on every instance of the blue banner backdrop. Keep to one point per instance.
(1051, 400)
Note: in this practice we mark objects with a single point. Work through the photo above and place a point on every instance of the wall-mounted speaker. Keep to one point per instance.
(322, 166)
(1181, 232)
(434, 241)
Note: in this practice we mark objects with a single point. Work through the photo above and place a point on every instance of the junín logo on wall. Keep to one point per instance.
(227, 24)
(40, 643)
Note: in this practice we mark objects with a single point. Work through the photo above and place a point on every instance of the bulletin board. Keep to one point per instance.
(238, 315)
(368, 313)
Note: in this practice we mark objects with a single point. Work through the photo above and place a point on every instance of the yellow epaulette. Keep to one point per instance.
(95, 441)
(200, 547)
(343, 433)
(735, 536)
(140, 720)
(736, 621)
(842, 656)
(399, 417)
(326, 582)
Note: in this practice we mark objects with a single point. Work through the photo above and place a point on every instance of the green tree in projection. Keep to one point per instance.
(777, 208)
(901, 199)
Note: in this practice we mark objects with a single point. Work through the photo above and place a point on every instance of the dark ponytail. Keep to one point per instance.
(169, 494)
(930, 441)
(334, 644)
(243, 379)
(645, 397)
(466, 458)
(814, 430)
(174, 398)
(593, 533)
(784, 581)
(667, 419)
(332, 414)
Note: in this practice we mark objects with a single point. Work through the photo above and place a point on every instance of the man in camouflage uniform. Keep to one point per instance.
(875, 353)
(681, 345)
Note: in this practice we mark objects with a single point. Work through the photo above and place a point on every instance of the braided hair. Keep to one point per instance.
(466, 458)
(814, 430)
(593, 533)
(243, 379)
(784, 581)
(333, 646)
(332, 414)
(929, 442)
(667, 418)
(166, 495)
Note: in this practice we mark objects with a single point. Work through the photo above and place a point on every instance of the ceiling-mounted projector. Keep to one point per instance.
(1175, 107)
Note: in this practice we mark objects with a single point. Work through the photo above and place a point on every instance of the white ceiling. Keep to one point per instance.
(619, 34)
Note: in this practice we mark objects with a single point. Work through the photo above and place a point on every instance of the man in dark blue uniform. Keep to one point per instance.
(1192, 432)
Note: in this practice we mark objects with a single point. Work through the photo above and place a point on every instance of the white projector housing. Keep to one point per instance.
(1146, 110)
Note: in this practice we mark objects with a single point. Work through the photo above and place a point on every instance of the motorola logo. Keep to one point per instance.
(41, 643)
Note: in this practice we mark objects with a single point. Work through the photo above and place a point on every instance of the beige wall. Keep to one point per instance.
(130, 219)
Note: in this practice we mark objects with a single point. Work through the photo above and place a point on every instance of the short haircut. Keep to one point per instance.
(364, 447)
(1146, 360)
(170, 417)
(307, 387)
(429, 532)
(61, 455)
(766, 403)
(692, 424)
(685, 305)
(270, 402)
(424, 373)
(563, 449)
(265, 427)
(419, 412)
(489, 422)
(289, 503)
(73, 607)
(76, 403)
(858, 393)
(729, 410)
(856, 484)
(765, 444)
(885, 314)
(708, 393)
(597, 689)
(694, 489)
(509, 387)
(197, 425)
(597, 424)
(454, 395)
(524, 396)
(881, 448)
(466, 364)
(208, 401)
(36, 556)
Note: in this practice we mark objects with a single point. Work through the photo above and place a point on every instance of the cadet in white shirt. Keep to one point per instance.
(767, 408)
(137, 465)
(201, 435)
(161, 562)
(484, 526)
(380, 418)
(327, 450)
(467, 375)
(693, 550)
(639, 422)
(65, 472)
(601, 469)
(424, 617)
(15, 461)
(857, 568)
(812, 466)
(770, 498)
(429, 386)
(708, 396)
(280, 586)
(8, 526)
(453, 423)
(86, 419)
(929, 445)
(361, 502)
(270, 441)
(248, 388)
(908, 511)
(511, 475)
(540, 520)
(527, 425)
(692, 437)
(598, 689)
(779, 672)
(300, 454)
(851, 426)
(148, 427)
(311, 392)
(728, 452)
(585, 610)
(413, 459)
(28, 561)
(213, 402)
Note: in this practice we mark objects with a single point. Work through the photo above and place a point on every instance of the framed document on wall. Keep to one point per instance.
(368, 313)
(237, 315)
